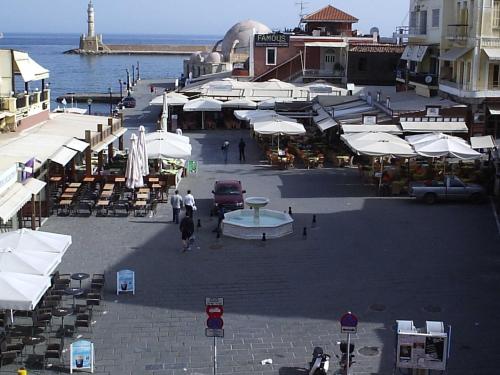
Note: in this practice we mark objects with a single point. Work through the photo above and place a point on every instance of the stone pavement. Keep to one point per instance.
(381, 258)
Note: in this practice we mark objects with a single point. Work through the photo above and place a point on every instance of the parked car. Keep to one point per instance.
(229, 194)
(451, 188)
(129, 102)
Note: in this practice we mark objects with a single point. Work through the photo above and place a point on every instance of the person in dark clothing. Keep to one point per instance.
(187, 229)
(220, 216)
(241, 147)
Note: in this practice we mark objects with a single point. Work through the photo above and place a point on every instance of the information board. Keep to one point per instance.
(422, 351)
(81, 356)
(192, 166)
(125, 282)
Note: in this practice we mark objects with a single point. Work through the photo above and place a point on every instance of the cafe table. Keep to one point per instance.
(106, 193)
(143, 196)
(79, 276)
(75, 185)
(109, 187)
(89, 179)
(33, 341)
(71, 190)
(61, 312)
(75, 292)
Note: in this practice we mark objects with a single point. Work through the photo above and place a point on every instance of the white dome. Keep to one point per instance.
(239, 36)
(196, 57)
(214, 58)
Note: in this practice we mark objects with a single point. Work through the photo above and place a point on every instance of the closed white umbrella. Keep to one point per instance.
(31, 262)
(174, 99)
(20, 291)
(32, 240)
(241, 103)
(203, 105)
(167, 135)
(165, 147)
(142, 151)
(133, 172)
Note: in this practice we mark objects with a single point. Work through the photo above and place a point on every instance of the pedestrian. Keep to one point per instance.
(220, 216)
(189, 204)
(176, 202)
(242, 146)
(225, 150)
(187, 229)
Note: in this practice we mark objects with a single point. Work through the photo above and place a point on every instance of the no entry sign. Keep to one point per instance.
(348, 323)
(214, 309)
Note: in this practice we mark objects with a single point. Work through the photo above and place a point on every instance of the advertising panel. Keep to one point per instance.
(125, 282)
(422, 351)
(272, 40)
(81, 356)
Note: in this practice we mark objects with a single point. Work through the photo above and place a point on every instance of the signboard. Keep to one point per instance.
(125, 282)
(422, 351)
(348, 323)
(192, 166)
(272, 40)
(81, 356)
(369, 119)
(209, 332)
(432, 111)
(214, 309)
(214, 301)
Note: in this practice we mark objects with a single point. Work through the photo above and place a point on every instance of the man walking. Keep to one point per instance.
(176, 202)
(189, 203)
(242, 146)
(225, 150)
(187, 229)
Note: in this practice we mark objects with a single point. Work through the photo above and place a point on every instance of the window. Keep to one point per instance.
(435, 17)
(330, 59)
(271, 56)
(423, 22)
(496, 14)
(362, 64)
(495, 70)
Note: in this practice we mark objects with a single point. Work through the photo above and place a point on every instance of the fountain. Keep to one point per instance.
(252, 223)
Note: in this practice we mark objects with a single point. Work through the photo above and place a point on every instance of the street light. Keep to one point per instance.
(138, 72)
(128, 81)
(110, 102)
(89, 102)
(133, 75)
(121, 90)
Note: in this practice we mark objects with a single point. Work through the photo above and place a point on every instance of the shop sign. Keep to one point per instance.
(125, 282)
(422, 351)
(192, 166)
(81, 356)
(272, 40)
(8, 178)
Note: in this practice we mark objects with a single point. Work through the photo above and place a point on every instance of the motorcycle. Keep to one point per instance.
(320, 362)
(343, 358)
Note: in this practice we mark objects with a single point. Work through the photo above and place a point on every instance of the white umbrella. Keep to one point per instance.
(133, 172)
(32, 240)
(240, 103)
(174, 99)
(31, 262)
(167, 135)
(142, 151)
(165, 147)
(246, 114)
(276, 84)
(420, 138)
(20, 291)
(276, 125)
(269, 117)
(378, 144)
(446, 147)
(203, 105)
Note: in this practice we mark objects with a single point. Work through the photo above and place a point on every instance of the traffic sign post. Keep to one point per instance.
(214, 308)
(348, 324)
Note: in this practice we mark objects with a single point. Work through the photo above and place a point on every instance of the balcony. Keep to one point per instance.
(457, 32)
(427, 79)
(417, 31)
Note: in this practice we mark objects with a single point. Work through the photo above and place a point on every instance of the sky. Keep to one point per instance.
(189, 17)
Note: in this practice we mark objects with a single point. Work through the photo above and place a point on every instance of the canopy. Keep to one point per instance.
(482, 142)
(28, 68)
(326, 44)
(378, 144)
(390, 129)
(271, 103)
(277, 125)
(422, 138)
(20, 291)
(77, 145)
(434, 126)
(12, 200)
(414, 53)
(31, 262)
(31, 240)
(164, 146)
(63, 156)
(203, 105)
(326, 124)
(268, 117)
(173, 99)
(454, 53)
(167, 135)
(133, 172)
(493, 53)
(240, 103)
(446, 147)
(33, 185)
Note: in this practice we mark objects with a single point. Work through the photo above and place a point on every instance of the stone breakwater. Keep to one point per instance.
(143, 49)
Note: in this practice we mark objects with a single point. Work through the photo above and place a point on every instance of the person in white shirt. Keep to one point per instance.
(176, 202)
(189, 203)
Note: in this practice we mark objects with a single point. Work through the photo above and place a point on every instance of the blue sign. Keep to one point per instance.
(82, 355)
(215, 323)
(348, 323)
(125, 281)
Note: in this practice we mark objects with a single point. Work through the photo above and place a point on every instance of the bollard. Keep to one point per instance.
(22, 371)
(198, 225)
(290, 211)
(263, 237)
(314, 221)
(304, 233)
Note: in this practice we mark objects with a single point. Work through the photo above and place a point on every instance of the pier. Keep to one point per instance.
(143, 49)
(96, 97)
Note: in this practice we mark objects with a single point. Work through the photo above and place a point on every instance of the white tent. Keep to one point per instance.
(20, 291)
(142, 151)
(240, 103)
(203, 105)
(31, 240)
(167, 135)
(31, 262)
(164, 146)
(378, 144)
(133, 171)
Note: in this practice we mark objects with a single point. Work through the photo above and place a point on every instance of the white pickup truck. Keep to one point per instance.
(451, 188)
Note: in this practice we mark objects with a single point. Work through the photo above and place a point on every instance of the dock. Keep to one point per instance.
(144, 49)
(82, 97)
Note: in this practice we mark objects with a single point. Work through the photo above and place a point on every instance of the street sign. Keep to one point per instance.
(214, 311)
(214, 301)
(209, 332)
(215, 323)
(348, 323)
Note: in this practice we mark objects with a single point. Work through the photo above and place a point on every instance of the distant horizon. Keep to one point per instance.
(6, 33)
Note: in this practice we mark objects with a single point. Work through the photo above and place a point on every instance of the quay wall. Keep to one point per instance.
(144, 49)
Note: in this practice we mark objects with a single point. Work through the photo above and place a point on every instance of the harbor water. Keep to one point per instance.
(79, 73)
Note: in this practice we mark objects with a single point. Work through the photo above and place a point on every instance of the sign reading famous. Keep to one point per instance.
(272, 40)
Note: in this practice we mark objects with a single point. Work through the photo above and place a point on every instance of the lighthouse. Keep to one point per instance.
(92, 42)
(90, 20)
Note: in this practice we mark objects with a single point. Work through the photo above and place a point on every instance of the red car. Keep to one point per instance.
(228, 194)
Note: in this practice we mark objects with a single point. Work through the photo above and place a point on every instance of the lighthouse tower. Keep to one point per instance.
(92, 42)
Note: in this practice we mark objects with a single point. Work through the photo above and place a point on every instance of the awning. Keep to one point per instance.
(120, 132)
(63, 156)
(493, 53)
(434, 126)
(482, 142)
(326, 44)
(103, 144)
(494, 109)
(454, 54)
(326, 124)
(414, 53)
(28, 68)
(77, 145)
(13, 200)
(34, 186)
(391, 129)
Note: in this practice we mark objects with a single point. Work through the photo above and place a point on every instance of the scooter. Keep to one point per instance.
(320, 362)
(343, 358)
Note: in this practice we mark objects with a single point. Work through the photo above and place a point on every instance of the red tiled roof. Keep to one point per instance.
(329, 13)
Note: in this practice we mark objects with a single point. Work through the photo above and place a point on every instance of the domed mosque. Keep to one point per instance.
(229, 52)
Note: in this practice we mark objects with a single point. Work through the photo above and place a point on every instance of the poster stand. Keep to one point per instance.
(125, 282)
(81, 356)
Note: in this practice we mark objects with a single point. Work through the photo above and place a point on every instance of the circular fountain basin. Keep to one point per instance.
(243, 224)
(256, 202)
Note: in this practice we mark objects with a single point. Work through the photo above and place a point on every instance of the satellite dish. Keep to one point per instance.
(428, 79)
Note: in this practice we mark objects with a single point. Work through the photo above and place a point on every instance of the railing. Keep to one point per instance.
(490, 42)
(45, 95)
(21, 102)
(417, 30)
(422, 78)
(457, 32)
(322, 73)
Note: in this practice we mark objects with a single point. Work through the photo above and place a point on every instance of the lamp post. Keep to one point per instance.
(89, 103)
(128, 81)
(110, 102)
(121, 90)
(133, 75)
(138, 72)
